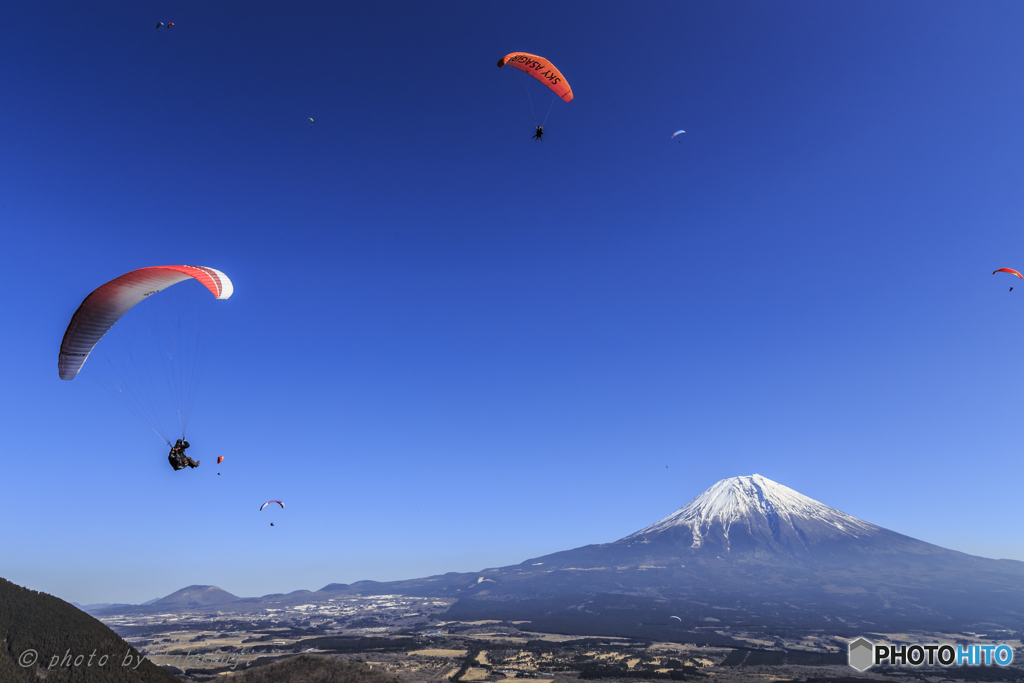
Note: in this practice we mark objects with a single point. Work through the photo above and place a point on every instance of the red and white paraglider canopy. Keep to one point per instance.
(109, 302)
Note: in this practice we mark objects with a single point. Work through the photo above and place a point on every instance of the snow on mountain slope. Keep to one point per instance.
(763, 510)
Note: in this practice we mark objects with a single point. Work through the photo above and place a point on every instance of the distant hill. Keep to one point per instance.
(48, 626)
(314, 669)
(186, 599)
(194, 597)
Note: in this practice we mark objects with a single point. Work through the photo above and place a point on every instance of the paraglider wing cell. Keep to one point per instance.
(541, 69)
(269, 502)
(109, 302)
(1011, 271)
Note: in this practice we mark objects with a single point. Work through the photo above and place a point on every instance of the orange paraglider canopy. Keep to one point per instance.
(220, 459)
(1011, 271)
(541, 69)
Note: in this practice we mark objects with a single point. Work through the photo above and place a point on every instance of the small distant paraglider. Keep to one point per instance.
(268, 503)
(678, 132)
(169, 25)
(159, 26)
(1011, 271)
(311, 122)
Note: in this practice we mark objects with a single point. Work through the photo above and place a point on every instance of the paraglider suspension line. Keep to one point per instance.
(548, 113)
(529, 97)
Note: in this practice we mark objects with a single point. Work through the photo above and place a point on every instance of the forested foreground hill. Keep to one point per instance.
(315, 669)
(36, 628)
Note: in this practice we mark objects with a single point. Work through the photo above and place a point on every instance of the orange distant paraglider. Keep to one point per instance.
(541, 69)
(1011, 271)
(220, 459)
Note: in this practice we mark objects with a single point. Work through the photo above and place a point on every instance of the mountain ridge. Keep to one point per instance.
(45, 628)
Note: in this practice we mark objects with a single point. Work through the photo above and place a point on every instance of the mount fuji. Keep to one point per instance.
(746, 552)
(764, 514)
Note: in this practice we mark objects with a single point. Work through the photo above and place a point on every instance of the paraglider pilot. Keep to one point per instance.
(177, 457)
(539, 135)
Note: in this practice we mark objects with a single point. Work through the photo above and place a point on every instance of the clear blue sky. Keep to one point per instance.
(452, 347)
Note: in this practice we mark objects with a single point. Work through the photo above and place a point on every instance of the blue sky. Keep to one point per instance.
(452, 347)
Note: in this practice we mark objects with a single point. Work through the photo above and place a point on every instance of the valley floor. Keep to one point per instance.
(409, 637)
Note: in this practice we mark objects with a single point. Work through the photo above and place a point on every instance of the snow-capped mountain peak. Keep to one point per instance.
(764, 510)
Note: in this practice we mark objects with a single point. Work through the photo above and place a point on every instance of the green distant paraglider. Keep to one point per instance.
(311, 122)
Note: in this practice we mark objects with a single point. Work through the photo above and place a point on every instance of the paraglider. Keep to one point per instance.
(1011, 271)
(220, 459)
(153, 360)
(678, 132)
(107, 303)
(170, 24)
(677, 619)
(159, 25)
(311, 122)
(177, 457)
(268, 503)
(545, 72)
(541, 69)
